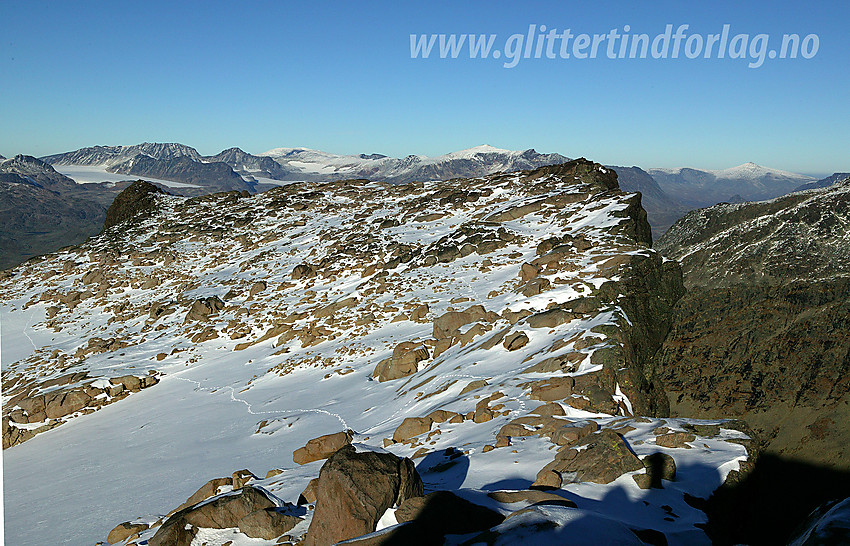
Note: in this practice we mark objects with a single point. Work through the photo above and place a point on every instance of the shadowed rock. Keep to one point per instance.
(135, 202)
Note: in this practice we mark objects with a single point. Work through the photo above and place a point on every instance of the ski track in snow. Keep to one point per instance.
(249, 406)
(27, 326)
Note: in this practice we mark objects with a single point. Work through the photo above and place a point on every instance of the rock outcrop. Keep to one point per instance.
(355, 488)
(137, 201)
(250, 509)
(37, 407)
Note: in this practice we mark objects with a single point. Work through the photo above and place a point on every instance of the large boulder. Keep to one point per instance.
(222, 512)
(355, 488)
(202, 308)
(404, 362)
(601, 457)
(448, 324)
(135, 202)
(322, 447)
(124, 530)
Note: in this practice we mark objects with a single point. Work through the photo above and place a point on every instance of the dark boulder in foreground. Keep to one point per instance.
(138, 200)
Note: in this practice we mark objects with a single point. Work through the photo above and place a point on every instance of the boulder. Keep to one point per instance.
(64, 402)
(322, 447)
(550, 318)
(528, 272)
(124, 530)
(221, 513)
(267, 523)
(355, 489)
(202, 308)
(241, 477)
(515, 341)
(412, 427)
(209, 489)
(303, 271)
(531, 496)
(659, 466)
(308, 496)
(404, 362)
(600, 458)
(535, 286)
(256, 288)
(448, 324)
(675, 439)
(549, 390)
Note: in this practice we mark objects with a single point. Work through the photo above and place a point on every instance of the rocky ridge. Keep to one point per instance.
(761, 333)
(472, 327)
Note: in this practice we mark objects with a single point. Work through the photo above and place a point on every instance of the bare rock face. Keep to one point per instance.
(354, 491)
(322, 447)
(139, 199)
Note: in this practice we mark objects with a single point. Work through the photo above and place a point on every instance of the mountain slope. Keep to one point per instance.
(207, 177)
(250, 166)
(753, 182)
(42, 210)
(497, 330)
(761, 332)
(762, 335)
(824, 182)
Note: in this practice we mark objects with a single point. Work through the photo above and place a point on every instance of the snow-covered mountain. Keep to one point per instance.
(493, 331)
(251, 166)
(34, 171)
(108, 156)
(477, 161)
(706, 187)
(183, 164)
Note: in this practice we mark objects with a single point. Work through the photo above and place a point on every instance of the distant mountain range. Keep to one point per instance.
(181, 163)
(478, 161)
(668, 194)
(696, 188)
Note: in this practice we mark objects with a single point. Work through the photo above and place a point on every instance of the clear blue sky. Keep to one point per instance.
(338, 76)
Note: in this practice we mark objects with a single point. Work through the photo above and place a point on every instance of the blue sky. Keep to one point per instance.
(338, 76)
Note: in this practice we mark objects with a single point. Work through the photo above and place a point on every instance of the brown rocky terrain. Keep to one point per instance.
(491, 339)
(762, 332)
